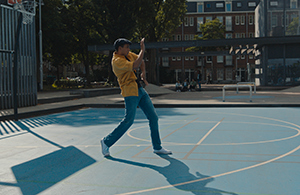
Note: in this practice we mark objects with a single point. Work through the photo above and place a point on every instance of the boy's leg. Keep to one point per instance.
(130, 111)
(146, 105)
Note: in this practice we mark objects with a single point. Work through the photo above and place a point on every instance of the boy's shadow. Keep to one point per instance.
(178, 175)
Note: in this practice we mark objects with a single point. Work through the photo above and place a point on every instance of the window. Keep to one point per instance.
(186, 21)
(178, 58)
(251, 4)
(186, 58)
(293, 16)
(191, 21)
(173, 37)
(242, 20)
(237, 20)
(208, 18)
(220, 74)
(239, 4)
(238, 57)
(165, 61)
(250, 35)
(199, 22)
(220, 59)
(228, 73)
(209, 59)
(228, 23)
(186, 37)
(178, 38)
(228, 60)
(274, 21)
(173, 58)
(286, 20)
(192, 58)
(219, 5)
(250, 56)
(192, 37)
(274, 3)
(251, 20)
(228, 35)
(242, 35)
(237, 35)
(199, 62)
(243, 57)
(208, 5)
(220, 19)
(228, 6)
(200, 7)
(293, 4)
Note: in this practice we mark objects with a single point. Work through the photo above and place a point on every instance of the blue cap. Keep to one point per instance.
(121, 42)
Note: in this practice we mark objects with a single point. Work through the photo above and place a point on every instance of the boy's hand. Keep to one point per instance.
(143, 77)
(142, 44)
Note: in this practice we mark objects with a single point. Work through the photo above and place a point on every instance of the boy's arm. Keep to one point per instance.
(143, 74)
(138, 61)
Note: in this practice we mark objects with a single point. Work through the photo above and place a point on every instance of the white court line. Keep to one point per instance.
(201, 140)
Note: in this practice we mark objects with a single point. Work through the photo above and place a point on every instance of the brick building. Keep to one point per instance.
(238, 18)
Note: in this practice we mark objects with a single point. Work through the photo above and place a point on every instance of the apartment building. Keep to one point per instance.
(278, 64)
(238, 17)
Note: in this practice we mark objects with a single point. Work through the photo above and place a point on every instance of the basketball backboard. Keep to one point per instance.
(11, 2)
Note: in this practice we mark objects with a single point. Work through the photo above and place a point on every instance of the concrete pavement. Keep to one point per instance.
(210, 96)
(216, 150)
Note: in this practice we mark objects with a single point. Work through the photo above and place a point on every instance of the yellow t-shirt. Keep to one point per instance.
(123, 70)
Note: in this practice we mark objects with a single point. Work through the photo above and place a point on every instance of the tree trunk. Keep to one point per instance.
(85, 57)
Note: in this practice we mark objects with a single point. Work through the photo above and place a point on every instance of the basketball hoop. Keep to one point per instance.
(27, 8)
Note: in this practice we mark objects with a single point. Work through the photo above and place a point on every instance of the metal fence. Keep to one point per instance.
(26, 81)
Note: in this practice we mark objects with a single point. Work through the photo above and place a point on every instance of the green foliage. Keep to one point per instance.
(66, 83)
(210, 30)
(55, 33)
(115, 18)
(293, 27)
(69, 28)
(159, 18)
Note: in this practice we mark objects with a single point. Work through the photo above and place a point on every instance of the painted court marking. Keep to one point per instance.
(201, 140)
(229, 172)
(219, 144)
(165, 137)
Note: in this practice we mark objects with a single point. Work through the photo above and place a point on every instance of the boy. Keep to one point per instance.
(125, 64)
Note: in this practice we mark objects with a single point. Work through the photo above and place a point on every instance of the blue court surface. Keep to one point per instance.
(216, 151)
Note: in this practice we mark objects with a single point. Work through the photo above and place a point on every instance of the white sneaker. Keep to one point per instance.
(162, 151)
(105, 148)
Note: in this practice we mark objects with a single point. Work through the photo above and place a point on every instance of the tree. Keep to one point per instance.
(293, 28)
(210, 30)
(115, 19)
(158, 19)
(80, 21)
(56, 38)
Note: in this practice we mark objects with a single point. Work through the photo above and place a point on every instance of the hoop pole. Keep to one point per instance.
(41, 45)
(16, 53)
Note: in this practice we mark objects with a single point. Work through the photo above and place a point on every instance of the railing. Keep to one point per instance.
(26, 83)
(237, 86)
(246, 83)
